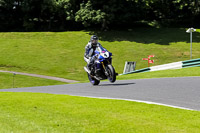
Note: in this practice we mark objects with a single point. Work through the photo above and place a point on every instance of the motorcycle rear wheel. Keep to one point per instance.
(93, 81)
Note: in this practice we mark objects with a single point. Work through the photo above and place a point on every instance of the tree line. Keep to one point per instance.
(58, 15)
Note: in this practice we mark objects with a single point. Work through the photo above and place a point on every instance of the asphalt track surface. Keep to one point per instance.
(175, 92)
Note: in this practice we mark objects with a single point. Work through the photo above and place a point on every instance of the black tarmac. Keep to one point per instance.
(181, 92)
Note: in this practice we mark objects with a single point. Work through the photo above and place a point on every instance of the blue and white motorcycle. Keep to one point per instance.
(102, 67)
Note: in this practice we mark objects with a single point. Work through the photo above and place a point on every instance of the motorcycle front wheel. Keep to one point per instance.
(111, 73)
(93, 81)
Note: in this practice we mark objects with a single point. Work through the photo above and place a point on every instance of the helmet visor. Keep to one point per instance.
(94, 42)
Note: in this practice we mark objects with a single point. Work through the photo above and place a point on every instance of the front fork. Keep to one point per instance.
(106, 72)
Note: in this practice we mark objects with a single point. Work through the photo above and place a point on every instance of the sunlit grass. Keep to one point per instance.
(185, 72)
(31, 112)
(61, 53)
(8, 80)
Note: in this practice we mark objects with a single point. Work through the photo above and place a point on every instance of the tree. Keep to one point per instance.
(31, 15)
(87, 15)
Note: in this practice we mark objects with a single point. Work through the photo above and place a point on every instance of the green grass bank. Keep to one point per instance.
(61, 53)
(185, 72)
(41, 113)
(8, 80)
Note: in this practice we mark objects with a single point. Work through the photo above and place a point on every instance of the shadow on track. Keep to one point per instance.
(121, 84)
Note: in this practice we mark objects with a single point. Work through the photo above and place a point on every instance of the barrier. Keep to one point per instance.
(129, 66)
(174, 65)
(191, 63)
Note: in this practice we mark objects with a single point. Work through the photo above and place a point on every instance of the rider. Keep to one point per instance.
(90, 49)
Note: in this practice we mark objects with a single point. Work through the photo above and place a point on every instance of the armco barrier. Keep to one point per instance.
(175, 65)
(191, 63)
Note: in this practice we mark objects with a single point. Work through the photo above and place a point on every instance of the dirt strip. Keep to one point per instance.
(41, 76)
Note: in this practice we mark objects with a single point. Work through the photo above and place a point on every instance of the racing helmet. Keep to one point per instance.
(94, 40)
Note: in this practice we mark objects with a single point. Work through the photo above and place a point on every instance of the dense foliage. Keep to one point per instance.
(37, 15)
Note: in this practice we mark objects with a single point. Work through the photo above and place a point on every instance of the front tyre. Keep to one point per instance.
(93, 81)
(111, 73)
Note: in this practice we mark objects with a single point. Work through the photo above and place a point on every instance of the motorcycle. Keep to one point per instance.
(102, 67)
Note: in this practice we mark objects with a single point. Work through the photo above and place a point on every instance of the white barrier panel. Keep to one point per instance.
(175, 65)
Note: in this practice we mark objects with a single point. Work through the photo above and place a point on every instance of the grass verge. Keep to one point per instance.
(32, 112)
(60, 54)
(184, 72)
(19, 81)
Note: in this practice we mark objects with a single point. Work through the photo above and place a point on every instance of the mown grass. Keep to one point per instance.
(185, 72)
(8, 80)
(47, 53)
(61, 53)
(33, 112)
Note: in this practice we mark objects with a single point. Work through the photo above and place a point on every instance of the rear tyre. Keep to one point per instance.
(93, 81)
(111, 73)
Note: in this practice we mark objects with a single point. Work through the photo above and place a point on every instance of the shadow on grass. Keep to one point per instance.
(161, 36)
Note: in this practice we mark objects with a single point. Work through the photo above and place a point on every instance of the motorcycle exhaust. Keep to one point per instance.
(88, 71)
